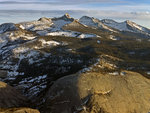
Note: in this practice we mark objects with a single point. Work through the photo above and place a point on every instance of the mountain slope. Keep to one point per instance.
(93, 22)
(38, 53)
(126, 26)
(10, 97)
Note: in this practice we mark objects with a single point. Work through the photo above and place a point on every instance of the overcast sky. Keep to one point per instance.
(135, 10)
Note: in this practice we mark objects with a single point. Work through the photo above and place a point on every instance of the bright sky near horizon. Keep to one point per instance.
(135, 10)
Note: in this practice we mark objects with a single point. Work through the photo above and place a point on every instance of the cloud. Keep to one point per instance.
(59, 1)
(113, 5)
(91, 1)
(118, 14)
(116, 9)
(24, 15)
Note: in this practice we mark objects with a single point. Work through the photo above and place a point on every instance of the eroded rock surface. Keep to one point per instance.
(99, 93)
(19, 110)
(10, 97)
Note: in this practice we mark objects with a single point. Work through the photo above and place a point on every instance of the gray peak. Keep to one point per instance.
(129, 22)
(86, 17)
(44, 19)
(108, 21)
(65, 17)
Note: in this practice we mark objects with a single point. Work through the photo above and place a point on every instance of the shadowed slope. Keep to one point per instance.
(10, 97)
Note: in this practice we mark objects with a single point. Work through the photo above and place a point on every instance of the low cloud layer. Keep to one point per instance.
(62, 1)
(114, 5)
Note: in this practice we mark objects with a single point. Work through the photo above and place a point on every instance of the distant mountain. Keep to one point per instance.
(126, 26)
(65, 17)
(93, 22)
(73, 65)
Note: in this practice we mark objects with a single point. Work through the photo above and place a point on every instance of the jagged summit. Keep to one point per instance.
(56, 24)
(87, 20)
(128, 21)
(133, 24)
(94, 22)
(108, 21)
(44, 19)
(86, 17)
(65, 17)
(126, 26)
(137, 28)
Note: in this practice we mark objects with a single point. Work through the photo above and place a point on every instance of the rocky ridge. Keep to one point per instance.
(69, 65)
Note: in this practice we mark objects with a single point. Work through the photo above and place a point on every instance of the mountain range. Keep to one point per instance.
(67, 65)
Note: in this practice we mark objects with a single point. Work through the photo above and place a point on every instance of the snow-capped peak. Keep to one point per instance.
(93, 22)
(126, 26)
(108, 21)
(87, 21)
(65, 17)
(44, 19)
(134, 25)
(86, 18)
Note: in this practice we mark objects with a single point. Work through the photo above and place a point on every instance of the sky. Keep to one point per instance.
(119, 10)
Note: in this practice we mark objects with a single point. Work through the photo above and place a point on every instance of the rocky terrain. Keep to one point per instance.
(67, 65)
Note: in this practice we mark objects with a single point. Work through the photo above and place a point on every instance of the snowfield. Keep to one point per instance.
(126, 26)
(71, 34)
(49, 43)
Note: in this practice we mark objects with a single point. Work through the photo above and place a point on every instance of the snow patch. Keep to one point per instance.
(20, 50)
(114, 73)
(49, 43)
(71, 34)
(113, 38)
(22, 27)
(98, 41)
(87, 36)
(148, 72)
(63, 33)
(58, 24)
(29, 37)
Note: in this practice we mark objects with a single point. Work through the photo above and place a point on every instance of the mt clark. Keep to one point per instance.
(68, 65)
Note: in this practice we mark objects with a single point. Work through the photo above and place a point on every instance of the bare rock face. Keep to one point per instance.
(65, 17)
(19, 110)
(10, 97)
(3, 73)
(11, 101)
(7, 27)
(99, 93)
(93, 22)
(43, 19)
